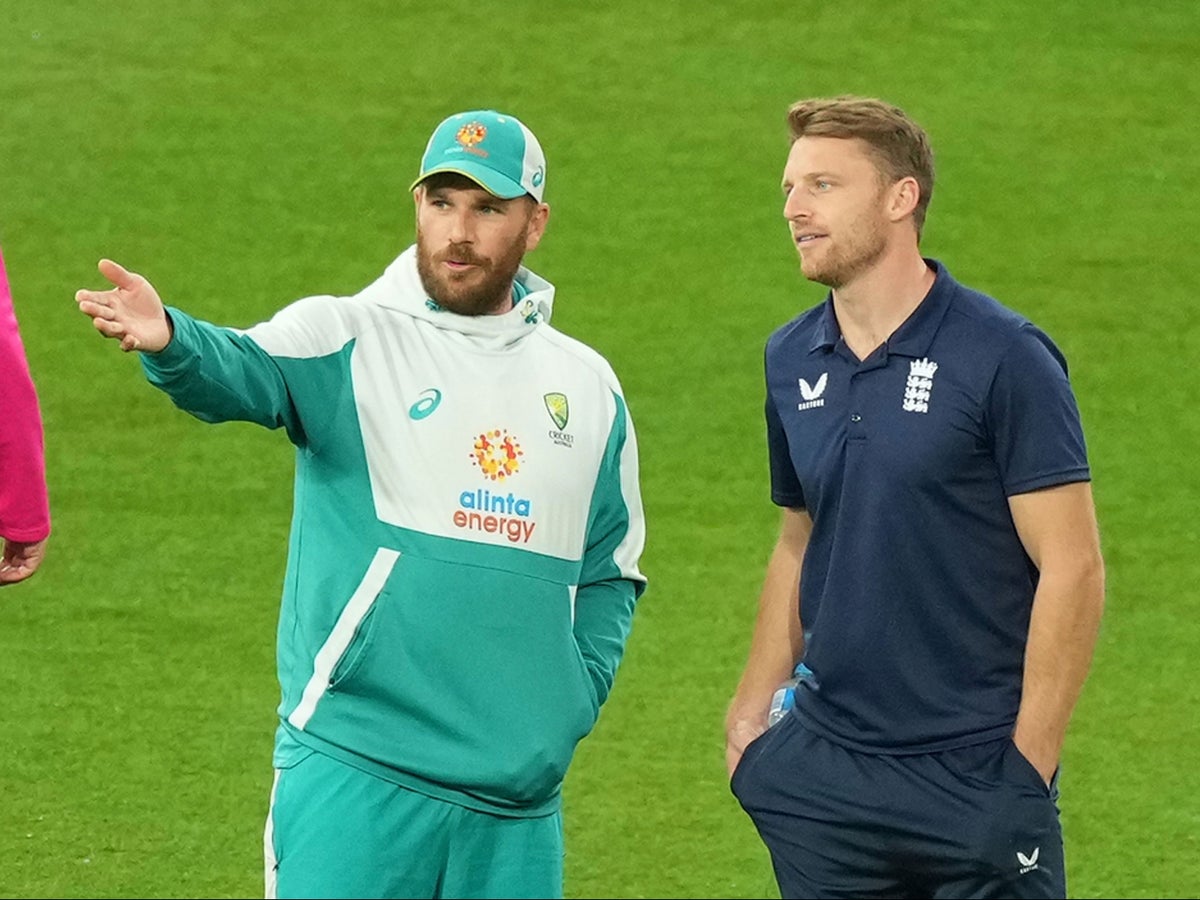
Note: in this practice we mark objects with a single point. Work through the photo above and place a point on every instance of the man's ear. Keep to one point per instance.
(903, 198)
(537, 226)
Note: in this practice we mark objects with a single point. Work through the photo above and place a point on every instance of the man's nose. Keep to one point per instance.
(794, 207)
(460, 228)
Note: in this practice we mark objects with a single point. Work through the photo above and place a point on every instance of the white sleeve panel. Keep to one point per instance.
(311, 327)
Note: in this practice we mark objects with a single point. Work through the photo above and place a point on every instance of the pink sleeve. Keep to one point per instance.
(24, 505)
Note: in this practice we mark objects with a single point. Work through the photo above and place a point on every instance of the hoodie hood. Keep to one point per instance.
(400, 288)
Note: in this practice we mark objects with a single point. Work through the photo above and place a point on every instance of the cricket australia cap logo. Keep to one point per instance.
(810, 394)
(559, 409)
(919, 385)
(470, 135)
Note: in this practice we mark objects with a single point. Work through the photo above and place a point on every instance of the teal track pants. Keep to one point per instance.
(336, 831)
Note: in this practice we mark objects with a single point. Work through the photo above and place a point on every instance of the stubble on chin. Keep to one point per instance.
(819, 274)
(461, 298)
(841, 266)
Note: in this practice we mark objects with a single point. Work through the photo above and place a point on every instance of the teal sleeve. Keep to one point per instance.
(219, 375)
(605, 599)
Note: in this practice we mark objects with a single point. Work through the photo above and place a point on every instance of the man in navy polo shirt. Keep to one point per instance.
(938, 570)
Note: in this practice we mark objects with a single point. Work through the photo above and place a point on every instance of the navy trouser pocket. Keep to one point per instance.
(761, 747)
(1013, 845)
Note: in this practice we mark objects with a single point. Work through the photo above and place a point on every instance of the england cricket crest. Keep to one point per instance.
(919, 385)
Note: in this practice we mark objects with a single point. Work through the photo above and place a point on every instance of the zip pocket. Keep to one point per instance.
(342, 636)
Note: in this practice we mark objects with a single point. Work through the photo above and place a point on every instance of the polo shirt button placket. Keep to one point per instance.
(856, 432)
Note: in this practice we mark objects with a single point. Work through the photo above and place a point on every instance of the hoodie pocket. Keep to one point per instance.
(345, 647)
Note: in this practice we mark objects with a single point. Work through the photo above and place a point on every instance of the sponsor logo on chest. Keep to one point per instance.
(498, 456)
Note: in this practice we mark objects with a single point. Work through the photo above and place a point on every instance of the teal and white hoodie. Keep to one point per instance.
(463, 560)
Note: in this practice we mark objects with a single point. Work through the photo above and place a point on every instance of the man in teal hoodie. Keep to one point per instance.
(463, 562)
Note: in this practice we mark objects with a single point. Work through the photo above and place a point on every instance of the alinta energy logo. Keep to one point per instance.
(498, 455)
(560, 412)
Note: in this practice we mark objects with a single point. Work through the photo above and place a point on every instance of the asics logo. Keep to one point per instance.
(430, 398)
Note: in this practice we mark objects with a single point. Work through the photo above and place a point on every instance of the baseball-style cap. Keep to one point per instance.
(494, 150)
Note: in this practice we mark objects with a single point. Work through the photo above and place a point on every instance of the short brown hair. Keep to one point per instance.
(898, 144)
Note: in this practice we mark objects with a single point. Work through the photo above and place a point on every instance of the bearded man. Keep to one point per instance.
(463, 564)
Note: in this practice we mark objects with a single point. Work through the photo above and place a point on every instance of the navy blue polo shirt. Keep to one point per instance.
(915, 588)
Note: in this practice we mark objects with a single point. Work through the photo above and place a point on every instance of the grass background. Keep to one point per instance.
(242, 155)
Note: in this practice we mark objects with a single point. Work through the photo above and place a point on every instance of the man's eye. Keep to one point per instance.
(823, 185)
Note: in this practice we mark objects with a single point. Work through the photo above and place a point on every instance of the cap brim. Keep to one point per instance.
(491, 181)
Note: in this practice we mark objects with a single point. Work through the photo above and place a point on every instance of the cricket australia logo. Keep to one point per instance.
(559, 409)
(1028, 863)
(919, 386)
(810, 395)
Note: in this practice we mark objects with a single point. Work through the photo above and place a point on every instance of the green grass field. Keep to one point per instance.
(242, 155)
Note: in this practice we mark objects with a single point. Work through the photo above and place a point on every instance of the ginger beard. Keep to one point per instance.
(837, 264)
(483, 289)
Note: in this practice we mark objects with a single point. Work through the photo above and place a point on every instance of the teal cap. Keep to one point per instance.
(494, 150)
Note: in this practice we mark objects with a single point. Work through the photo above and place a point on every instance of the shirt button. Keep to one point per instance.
(855, 417)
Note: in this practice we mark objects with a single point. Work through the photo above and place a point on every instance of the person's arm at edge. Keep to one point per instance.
(24, 500)
(1058, 528)
(610, 580)
(777, 641)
